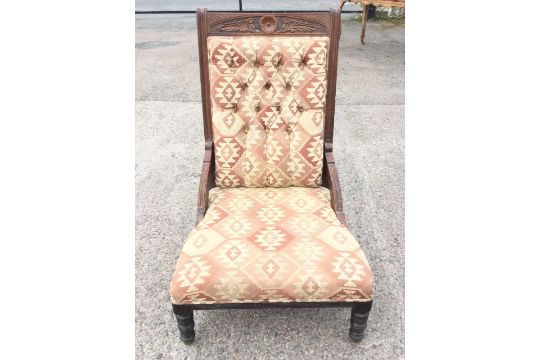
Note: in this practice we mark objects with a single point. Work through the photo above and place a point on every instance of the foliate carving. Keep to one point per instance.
(267, 24)
(239, 25)
(296, 25)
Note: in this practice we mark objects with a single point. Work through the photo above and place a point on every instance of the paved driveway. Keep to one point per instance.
(369, 149)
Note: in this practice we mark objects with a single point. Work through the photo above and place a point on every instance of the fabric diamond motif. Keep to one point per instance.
(226, 58)
(327, 214)
(204, 239)
(319, 92)
(270, 194)
(310, 286)
(192, 273)
(270, 179)
(301, 203)
(240, 204)
(273, 151)
(348, 269)
(279, 244)
(339, 237)
(248, 165)
(317, 119)
(228, 152)
(200, 241)
(270, 214)
(268, 83)
(270, 238)
(229, 121)
(312, 152)
(270, 268)
(304, 225)
(235, 227)
(233, 253)
(227, 180)
(227, 93)
(213, 217)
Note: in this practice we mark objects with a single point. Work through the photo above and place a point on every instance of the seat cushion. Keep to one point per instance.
(259, 245)
(268, 97)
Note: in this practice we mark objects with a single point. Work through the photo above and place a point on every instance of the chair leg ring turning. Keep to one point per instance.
(186, 325)
(359, 318)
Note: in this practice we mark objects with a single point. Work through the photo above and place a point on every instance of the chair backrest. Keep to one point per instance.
(268, 83)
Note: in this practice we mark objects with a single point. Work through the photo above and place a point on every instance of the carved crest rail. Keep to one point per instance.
(268, 24)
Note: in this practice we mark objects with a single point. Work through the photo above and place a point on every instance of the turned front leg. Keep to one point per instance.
(359, 317)
(186, 325)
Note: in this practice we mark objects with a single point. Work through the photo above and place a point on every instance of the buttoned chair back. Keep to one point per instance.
(268, 89)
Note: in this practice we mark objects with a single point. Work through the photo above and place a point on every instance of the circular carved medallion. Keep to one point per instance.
(268, 24)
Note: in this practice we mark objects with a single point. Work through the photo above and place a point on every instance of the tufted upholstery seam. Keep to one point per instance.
(268, 99)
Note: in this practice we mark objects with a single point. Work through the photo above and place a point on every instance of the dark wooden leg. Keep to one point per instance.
(364, 18)
(359, 316)
(184, 317)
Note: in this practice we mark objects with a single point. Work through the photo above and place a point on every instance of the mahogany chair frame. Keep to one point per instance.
(319, 23)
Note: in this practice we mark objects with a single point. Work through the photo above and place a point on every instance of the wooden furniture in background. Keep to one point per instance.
(365, 7)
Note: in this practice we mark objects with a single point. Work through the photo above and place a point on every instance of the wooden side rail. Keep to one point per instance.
(331, 181)
(207, 180)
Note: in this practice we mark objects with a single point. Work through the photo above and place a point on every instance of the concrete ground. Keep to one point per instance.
(152, 5)
(369, 149)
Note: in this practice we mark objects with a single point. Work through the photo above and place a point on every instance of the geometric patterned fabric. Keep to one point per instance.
(268, 96)
(257, 245)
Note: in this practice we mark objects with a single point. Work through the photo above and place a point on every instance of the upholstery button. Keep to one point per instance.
(288, 86)
(246, 128)
(267, 85)
(243, 85)
(235, 108)
(255, 62)
(300, 108)
(266, 128)
(257, 108)
(278, 108)
(288, 129)
(279, 63)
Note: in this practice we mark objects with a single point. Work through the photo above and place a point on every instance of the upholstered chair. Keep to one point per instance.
(270, 227)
